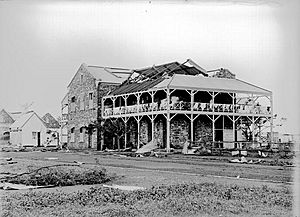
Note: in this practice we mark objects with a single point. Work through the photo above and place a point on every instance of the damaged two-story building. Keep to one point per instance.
(82, 103)
(170, 104)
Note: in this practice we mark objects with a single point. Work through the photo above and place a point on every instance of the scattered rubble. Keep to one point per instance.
(239, 152)
(78, 162)
(6, 161)
(51, 158)
(152, 145)
(244, 160)
(125, 188)
(262, 154)
(11, 186)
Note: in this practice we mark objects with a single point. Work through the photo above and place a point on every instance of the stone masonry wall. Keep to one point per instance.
(145, 131)
(160, 133)
(81, 87)
(203, 131)
(132, 134)
(78, 118)
(179, 132)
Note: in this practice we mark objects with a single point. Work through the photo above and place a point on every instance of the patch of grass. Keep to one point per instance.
(175, 200)
(63, 176)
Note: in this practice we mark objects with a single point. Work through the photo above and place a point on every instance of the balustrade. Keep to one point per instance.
(187, 106)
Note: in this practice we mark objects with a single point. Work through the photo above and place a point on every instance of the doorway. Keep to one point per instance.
(38, 139)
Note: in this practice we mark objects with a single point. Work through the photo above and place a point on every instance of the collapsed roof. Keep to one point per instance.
(182, 76)
(144, 79)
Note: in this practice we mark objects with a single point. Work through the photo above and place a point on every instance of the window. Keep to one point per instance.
(73, 104)
(81, 135)
(82, 102)
(91, 103)
(81, 78)
(33, 135)
(72, 138)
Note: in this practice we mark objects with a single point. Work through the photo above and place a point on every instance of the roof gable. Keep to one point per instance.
(104, 74)
(5, 117)
(21, 122)
(80, 69)
(50, 121)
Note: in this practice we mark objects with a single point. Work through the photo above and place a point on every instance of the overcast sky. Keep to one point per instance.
(43, 43)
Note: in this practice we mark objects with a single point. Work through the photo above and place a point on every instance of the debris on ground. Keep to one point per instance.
(242, 160)
(185, 147)
(14, 176)
(255, 162)
(153, 154)
(244, 153)
(262, 154)
(6, 158)
(234, 153)
(51, 158)
(187, 150)
(8, 162)
(152, 145)
(125, 188)
(238, 152)
(11, 186)
(78, 162)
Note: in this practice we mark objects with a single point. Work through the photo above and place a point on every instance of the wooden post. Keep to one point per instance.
(138, 132)
(152, 116)
(271, 122)
(152, 127)
(125, 98)
(168, 121)
(102, 136)
(102, 107)
(125, 132)
(192, 116)
(252, 111)
(233, 129)
(114, 105)
(213, 120)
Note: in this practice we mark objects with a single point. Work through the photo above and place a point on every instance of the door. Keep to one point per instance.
(38, 139)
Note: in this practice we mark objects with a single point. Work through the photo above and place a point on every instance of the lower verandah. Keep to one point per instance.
(221, 131)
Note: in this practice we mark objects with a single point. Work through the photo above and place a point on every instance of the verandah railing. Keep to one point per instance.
(188, 106)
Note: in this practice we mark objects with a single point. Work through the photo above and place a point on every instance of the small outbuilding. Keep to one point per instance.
(53, 130)
(28, 130)
(6, 120)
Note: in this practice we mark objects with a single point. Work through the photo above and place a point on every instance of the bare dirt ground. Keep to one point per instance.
(150, 171)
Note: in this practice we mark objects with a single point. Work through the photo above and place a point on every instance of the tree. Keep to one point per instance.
(245, 124)
(113, 127)
(91, 128)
